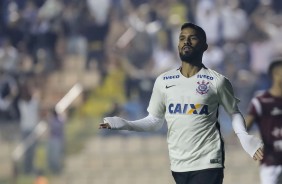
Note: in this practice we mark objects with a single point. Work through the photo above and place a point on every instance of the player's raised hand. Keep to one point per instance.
(258, 155)
(104, 126)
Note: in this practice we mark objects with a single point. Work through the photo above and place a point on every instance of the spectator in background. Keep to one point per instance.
(55, 142)
(71, 19)
(95, 43)
(29, 117)
(208, 17)
(9, 57)
(213, 57)
(8, 95)
(269, 23)
(138, 54)
(97, 22)
(163, 58)
(41, 43)
(234, 21)
(13, 29)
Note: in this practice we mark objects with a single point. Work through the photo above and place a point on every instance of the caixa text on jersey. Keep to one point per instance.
(201, 109)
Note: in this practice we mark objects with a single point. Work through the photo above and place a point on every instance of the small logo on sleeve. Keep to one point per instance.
(203, 87)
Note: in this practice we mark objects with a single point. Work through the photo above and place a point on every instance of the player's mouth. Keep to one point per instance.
(187, 48)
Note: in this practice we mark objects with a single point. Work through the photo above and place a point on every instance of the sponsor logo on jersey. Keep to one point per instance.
(203, 87)
(171, 77)
(204, 77)
(201, 109)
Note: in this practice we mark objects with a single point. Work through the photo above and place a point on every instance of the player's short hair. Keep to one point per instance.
(274, 64)
(199, 30)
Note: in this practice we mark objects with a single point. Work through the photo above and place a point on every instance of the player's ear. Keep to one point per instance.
(206, 46)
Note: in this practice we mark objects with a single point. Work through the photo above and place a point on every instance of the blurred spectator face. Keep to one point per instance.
(277, 75)
(190, 46)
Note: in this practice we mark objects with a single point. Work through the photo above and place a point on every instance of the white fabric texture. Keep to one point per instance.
(250, 143)
(149, 123)
(227, 98)
(271, 174)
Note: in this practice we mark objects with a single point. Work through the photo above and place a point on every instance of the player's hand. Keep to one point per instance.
(104, 126)
(258, 155)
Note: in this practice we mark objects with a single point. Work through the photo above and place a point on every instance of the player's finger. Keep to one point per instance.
(258, 156)
(260, 153)
(104, 126)
(255, 157)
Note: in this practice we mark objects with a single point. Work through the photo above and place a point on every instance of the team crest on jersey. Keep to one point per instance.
(203, 87)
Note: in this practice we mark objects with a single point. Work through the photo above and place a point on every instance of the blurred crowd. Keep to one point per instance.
(137, 37)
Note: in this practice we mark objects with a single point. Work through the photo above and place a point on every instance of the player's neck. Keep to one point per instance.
(276, 91)
(188, 70)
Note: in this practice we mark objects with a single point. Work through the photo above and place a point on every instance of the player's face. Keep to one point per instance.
(190, 46)
(277, 75)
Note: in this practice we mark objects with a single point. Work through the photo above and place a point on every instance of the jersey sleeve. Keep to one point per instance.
(157, 102)
(227, 98)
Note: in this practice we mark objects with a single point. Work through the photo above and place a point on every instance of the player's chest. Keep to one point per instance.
(192, 91)
(272, 109)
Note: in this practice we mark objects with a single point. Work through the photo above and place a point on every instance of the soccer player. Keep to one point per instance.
(188, 98)
(266, 110)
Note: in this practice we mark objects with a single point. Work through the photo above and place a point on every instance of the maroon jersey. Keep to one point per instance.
(267, 111)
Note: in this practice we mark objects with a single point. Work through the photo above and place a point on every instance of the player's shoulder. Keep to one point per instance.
(217, 77)
(262, 95)
(171, 74)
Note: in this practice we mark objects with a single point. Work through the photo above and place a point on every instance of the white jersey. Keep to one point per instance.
(190, 107)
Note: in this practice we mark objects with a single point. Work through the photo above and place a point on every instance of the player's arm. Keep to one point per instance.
(249, 119)
(149, 123)
(254, 112)
(251, 144)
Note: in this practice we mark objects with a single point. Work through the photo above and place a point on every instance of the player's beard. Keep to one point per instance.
(191, 57)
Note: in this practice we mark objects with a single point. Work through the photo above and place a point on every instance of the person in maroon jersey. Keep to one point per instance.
(266, 110)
